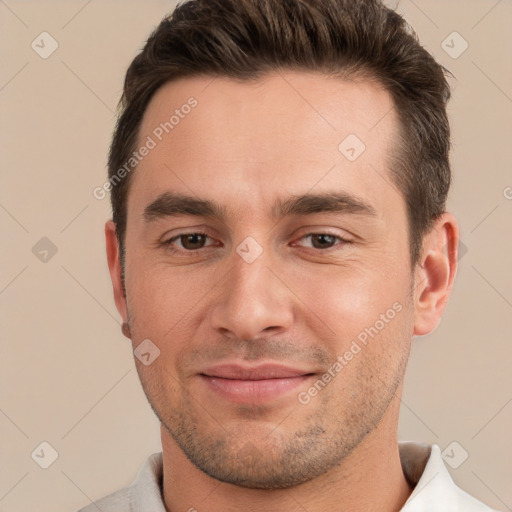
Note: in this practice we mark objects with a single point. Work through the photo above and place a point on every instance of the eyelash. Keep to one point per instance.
(168, 243)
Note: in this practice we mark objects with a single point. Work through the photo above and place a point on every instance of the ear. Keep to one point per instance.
(114, 267)
(435, 273)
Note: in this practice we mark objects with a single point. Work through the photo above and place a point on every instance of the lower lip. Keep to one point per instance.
(253, 391)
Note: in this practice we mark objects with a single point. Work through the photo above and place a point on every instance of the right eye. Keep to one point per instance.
(188, 242)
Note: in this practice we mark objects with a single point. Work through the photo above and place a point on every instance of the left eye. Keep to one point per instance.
(323, 240)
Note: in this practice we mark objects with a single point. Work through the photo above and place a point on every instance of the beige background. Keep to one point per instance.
(67, 373)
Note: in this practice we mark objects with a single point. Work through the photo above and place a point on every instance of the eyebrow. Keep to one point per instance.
(170, 204)
(329, 202)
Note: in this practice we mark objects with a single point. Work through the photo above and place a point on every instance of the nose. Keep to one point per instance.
(252, 300)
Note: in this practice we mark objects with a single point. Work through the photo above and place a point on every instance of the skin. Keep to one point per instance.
(301, 302)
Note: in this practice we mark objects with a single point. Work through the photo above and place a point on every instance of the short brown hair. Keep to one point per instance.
(244, 39)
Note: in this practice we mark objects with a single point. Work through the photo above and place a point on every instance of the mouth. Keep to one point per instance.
(259, 384)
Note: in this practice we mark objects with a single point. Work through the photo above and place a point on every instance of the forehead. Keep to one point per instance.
(288, 132)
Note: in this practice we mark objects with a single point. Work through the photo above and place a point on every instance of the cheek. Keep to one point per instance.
(350, 299)
(162, 299)
(373, 331)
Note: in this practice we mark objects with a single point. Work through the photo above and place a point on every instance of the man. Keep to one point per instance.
(278, 178)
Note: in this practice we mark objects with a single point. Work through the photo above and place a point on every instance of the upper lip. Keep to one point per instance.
(264, 371)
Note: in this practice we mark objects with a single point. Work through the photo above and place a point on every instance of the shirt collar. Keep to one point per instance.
(147, 487)
(423, 466)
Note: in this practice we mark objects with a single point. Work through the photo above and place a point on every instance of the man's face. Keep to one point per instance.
(301, 292)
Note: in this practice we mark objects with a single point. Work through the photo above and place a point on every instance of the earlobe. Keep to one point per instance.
(435, 273)
(114, 265)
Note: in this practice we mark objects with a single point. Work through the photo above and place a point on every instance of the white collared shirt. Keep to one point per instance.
(434, 489)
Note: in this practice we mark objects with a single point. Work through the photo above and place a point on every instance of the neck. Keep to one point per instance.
(370, 478)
